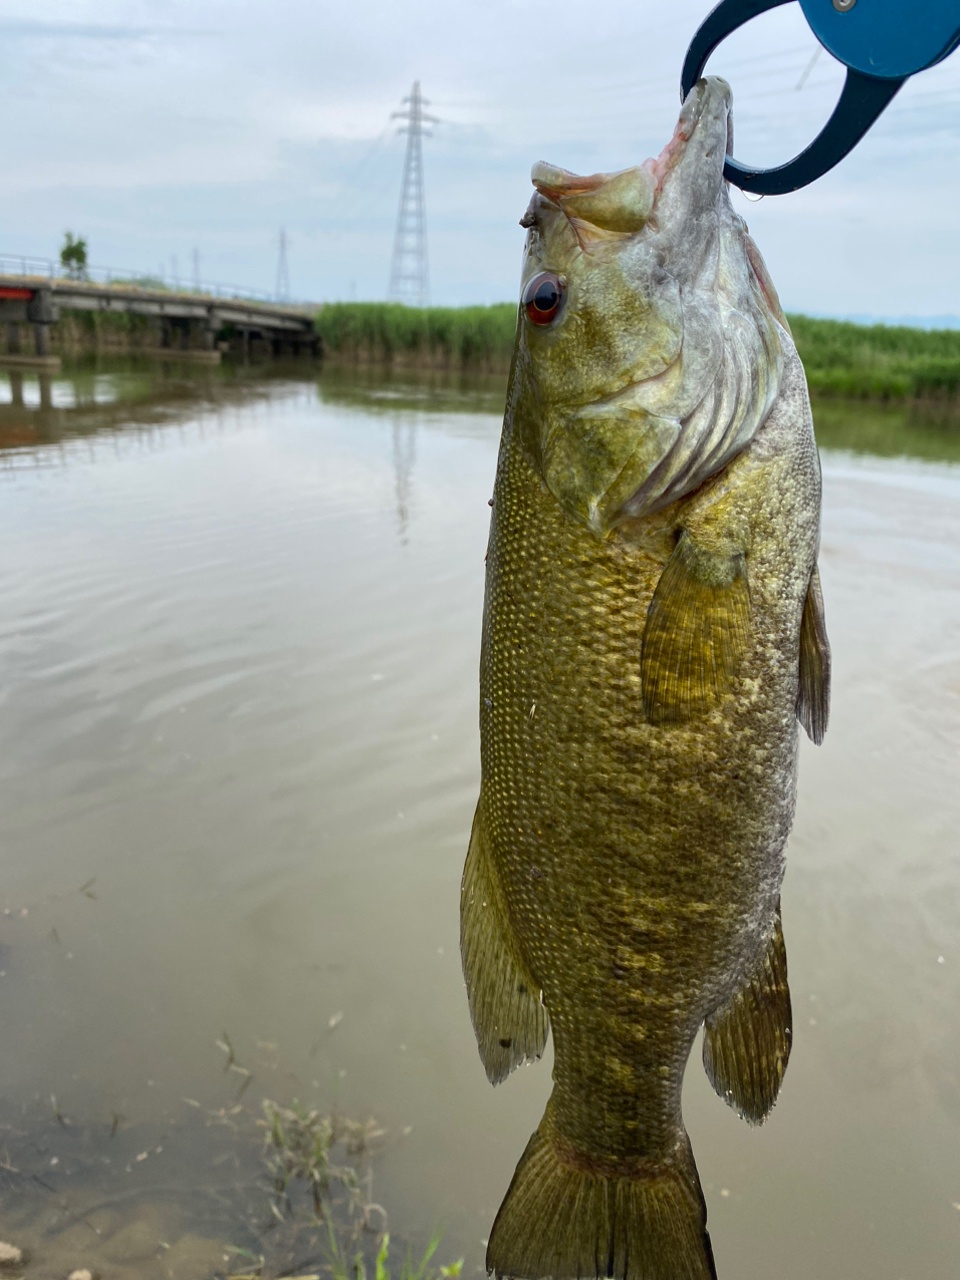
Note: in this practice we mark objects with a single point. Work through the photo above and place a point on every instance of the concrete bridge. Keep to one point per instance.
(190, 325)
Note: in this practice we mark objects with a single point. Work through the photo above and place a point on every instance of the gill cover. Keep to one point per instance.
(665, 358)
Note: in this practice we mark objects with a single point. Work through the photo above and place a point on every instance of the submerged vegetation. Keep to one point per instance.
(299, 1149)
(877, 362)
(258, 1191)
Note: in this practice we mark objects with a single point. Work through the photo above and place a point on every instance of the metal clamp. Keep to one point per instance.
(881, 42)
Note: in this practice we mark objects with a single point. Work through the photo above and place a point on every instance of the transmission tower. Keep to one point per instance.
(283, 276)
(409, 277)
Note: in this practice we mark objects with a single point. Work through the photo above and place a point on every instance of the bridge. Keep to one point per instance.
(187, 323)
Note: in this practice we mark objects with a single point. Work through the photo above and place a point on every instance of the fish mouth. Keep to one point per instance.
(705, 125)
(623, 203)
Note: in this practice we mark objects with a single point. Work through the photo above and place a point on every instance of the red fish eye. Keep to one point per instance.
(542, 297)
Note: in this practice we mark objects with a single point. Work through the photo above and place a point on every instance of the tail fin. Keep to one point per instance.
(567, 1222)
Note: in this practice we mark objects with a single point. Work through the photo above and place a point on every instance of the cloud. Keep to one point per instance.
(32, 28)
(221, 123)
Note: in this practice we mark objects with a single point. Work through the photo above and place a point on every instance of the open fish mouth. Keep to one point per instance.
(623, 202)
(651, 328)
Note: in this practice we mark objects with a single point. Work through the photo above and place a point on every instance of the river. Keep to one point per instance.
(238, 764)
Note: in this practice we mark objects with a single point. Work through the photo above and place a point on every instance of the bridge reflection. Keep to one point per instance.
(91, 398)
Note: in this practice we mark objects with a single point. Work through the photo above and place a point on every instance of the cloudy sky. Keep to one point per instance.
(158, 128)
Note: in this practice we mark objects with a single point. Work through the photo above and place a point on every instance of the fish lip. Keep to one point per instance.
(706, 93)
(565, 183)
(706, 107)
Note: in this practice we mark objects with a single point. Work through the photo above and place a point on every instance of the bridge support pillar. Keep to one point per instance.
(13, 339)
(42, 314)
(211, 328)
(169, 335)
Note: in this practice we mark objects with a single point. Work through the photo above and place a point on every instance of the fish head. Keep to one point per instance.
(649, 338)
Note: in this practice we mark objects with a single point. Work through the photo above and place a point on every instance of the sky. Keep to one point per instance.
(159, 129)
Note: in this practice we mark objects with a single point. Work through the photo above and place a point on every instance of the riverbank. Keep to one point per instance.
(891, 363)
(79, 333)
(479, 339)
(878, 361)
(881, 363)
(84, 333)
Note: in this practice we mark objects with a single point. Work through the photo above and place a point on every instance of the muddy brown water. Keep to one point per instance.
(238, 760)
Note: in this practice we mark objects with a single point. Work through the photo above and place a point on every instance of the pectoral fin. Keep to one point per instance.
(813, 694)
(508, 1018)
(696, 633)
(746, 1043)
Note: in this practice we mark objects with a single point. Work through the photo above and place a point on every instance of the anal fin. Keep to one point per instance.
(509, 1021)
(813, 692)
(696, 633)
(746, 1043)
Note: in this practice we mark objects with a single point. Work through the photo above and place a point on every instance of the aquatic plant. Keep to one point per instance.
(356, 1269)
(882, 362)
(468, 337)
(298, 1147)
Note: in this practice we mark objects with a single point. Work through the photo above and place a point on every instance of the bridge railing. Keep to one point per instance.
(47, 269)
(14, 265)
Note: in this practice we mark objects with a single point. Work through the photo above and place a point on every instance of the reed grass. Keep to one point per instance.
(874, 362)
(878, 361)
(465, 337)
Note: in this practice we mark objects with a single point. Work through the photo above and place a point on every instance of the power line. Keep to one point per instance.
(409, 274)
(350, 183)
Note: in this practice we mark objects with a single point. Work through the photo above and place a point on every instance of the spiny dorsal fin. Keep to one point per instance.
(509, 1020)
(813, 693)
(697, 628)
(746, 1043)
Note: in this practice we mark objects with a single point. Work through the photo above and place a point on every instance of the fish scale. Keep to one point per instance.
(642, 669)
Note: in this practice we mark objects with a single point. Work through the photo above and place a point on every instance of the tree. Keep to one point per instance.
(73, 257)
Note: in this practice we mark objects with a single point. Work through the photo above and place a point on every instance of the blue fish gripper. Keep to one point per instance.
(880, 42)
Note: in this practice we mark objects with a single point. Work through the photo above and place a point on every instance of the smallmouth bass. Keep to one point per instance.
(653, 630)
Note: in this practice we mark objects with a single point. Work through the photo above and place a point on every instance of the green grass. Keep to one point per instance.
(105, 322)
(147, 282)
(877, 362)
(343, 1268)
(299, 1150)
(874, 362)
(468, 337)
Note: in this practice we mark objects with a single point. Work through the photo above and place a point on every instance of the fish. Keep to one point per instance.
(653, 632)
